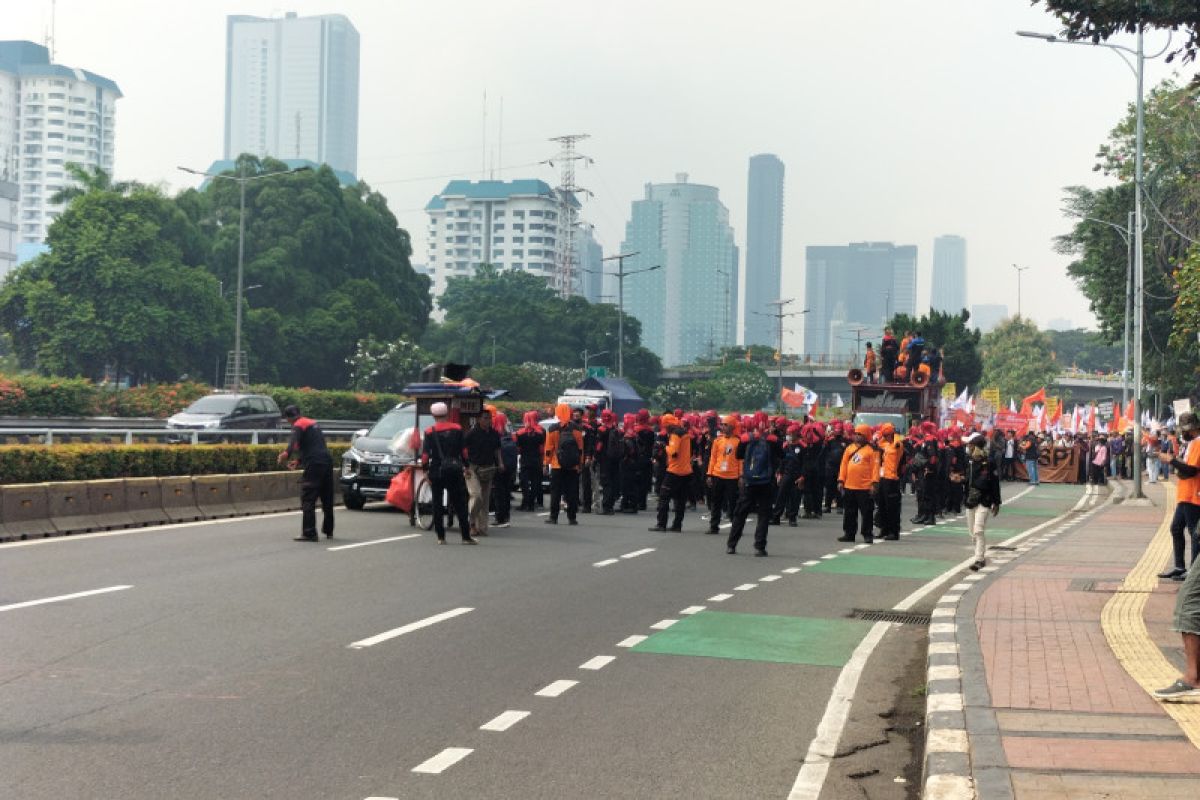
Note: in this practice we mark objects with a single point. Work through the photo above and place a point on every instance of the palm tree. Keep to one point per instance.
(89, 179)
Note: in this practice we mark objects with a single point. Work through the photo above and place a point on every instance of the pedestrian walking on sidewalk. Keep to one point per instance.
(1187, 622)
(1187, 495)
(306, 449)
(983, 494)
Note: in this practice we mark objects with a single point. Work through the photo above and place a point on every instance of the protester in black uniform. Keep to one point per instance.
(589, 476)
(787, 496)
(646, 439)
(956, 471)
(811, 470)
(610, 451)
(531, 441)
(443, 455)
(631, 473)
(925, 468)
(503, 482)
(307, 450)
(835, 445)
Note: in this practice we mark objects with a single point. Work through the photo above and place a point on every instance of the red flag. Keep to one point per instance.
(791, 399)
(1037, 397)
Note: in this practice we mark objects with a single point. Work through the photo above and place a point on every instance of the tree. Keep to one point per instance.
(961, 363)
(1017, 358)
(1099, 20)
(89, 179)
(385, 366)
(121, 287)
(1084, 350)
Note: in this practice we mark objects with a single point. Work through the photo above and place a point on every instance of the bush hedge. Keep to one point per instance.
(37, 463)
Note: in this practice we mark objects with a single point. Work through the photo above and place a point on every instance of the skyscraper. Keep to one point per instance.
(50, 115)
(948, 291)
(291, 89)
(764, 247)
(589, 266)
(689, 307)
(852, 291)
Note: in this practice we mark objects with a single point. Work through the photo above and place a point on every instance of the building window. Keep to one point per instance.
(519, 227)
(519, 214)
(536, 213)
(518, 240)
(498, 253)
(498, 239)
(477, 214)
(518, 253)
(518, 265)
(499, 227)
(498, 214)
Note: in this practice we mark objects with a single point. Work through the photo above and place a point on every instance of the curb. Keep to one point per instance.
(947, 764)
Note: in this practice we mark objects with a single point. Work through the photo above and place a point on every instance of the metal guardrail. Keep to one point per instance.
(177, 435)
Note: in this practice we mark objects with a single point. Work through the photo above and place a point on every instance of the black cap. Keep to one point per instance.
(291, 412)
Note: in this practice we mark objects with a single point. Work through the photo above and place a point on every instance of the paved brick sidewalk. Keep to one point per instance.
(1051, 713)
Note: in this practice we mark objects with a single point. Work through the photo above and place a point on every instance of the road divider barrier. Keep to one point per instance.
(39, 510)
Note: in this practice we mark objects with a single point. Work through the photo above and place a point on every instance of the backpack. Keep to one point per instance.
(568, 450)
(756, 467)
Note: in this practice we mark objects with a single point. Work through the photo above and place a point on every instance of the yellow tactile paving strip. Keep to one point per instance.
(1126, 631)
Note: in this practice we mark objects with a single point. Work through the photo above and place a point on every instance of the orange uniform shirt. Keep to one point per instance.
(722, 460)
(869, 361)
(893, 451)
(1188, 489)
(679, 454)
(551, 452)
(860, 467)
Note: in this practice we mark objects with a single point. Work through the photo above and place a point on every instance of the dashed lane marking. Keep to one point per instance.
(745, 587)
(692, 610)
(599, 662)
(504, 721)
(792, 570)
(556, 689)
(443, 760)
(811, 563)
(373, 541)
(606, 562)
(637, 553)
(719, 598)
(62, 597)
(409, 628)
(630, 641)
(768, 578)
(663, 624)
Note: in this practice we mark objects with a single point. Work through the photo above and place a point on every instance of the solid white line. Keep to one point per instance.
(692, 610)
(811, 777)
(62, 597)
(409, 628)
(630, 641)
(768, 578)
(719, 598)
(555, 689)
(79, 537)
(374, 797)
(443, 760)
(663, 624)
(606, 562)
(637, 553)
(544, 514)
(598, 662)
(376, 541)
(504, 721)
(792, 570)
(745, 587)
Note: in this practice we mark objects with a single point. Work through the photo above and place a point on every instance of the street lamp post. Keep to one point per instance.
(1019, 271)
(239, 368)
(1139, 71)
(779, 315)
(621, 275)
(587, 356)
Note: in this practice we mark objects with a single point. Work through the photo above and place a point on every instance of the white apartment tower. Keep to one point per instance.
(50, 115)
(291, 89)
(510, 224)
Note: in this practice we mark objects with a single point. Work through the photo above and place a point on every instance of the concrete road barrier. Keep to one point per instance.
(25, 511)
(144, 501)
(249, 493)
(179, 499)
(282, 491)
(106, 504)
(213, 496)
(69, 507)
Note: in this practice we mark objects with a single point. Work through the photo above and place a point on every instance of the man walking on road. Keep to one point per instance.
(442, 455)
(1187, 495)
(483, 464)
(307, 450)
(858, 480)
(983, 494)
(760, 453)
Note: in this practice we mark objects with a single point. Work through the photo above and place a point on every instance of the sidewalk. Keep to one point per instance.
(1040, 667)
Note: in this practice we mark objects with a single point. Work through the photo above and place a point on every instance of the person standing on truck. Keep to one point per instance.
(889, 349)
(677, 473)
(916, 347)
(564, 458)
(869, 365)
(858, 479)
(307, 450)
(531, 444)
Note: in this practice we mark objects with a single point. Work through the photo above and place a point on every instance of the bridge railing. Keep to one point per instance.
(129, 436)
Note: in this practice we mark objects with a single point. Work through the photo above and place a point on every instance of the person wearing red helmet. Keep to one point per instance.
(724, 469)
(589, 474)
(812, 482)
(759, 451)
(835, 445)
(858, 479)
(531, 442)
(631, 473)
(677, 475)
(610, 451)
(890, 469)
(646, 438)
(787, 495)
(926, 462)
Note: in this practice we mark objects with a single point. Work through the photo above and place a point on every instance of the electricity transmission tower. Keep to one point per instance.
(568, 216)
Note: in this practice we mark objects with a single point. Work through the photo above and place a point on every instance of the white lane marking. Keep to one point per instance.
(745, 587)
(942, 627)
(544, 514)
(663, 624)
(375, 797)
(811, 563)
(637, 553)
(409, 628)
(630, 641)
(79, 537)
(606, 562)
(692, 610)
(374, 541)
(768, 578)
(599, 662)
(719, 598)
(725, 525)
(444, 760)
(555, 689)
(792, 570)
(504, 721)
(943, 648)
(847, 550)
(860, 547)
(811, 777)
(829, 556)
(906, 533)
(62, 597)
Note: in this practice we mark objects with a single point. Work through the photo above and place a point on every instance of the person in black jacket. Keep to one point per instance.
(983, 494)
(307, 450)
(760, 454)
(442, 454)
(811, 470)
(787, 499)
(610, 451)
(531, 441)
(835, 445)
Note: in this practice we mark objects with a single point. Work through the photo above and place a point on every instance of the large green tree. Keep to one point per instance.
(961, 362)
(1099, 20)
(1084, 350)
(1017, 359)
(122, 288)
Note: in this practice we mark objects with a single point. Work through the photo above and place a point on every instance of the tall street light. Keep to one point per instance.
(621, 275)
(1139, 72)
(240, 371)
(587, 356)
(1019, 271)
(779, 315)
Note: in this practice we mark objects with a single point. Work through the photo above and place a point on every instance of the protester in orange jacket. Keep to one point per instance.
(892, 449)
(724, 469)
(858, 479)
(678, 473)
(564, 457)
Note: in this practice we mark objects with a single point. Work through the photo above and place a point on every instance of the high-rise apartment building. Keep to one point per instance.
(688, 308)
(589, 266)
(50, 115)
(8, 225)
(851, 292)
(291, 89)
(764, 247)
(948, 289)
(511, 224)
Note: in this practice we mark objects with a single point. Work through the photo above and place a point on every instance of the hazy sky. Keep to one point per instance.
(897, 121)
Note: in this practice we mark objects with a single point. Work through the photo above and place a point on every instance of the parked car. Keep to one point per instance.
(377, 454)
(221, 411)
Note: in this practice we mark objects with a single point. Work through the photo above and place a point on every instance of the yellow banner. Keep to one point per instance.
(1051, 407)
(992, 396)
(950, 391)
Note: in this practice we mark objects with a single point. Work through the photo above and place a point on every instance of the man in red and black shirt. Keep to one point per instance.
(443, 455)
(307, 450)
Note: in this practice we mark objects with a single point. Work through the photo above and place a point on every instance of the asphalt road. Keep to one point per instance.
(241, 664)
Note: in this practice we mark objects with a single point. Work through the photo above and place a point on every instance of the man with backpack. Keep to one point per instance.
(858, 478)
(564, 457)
(610, 450)
(677, 473)
(760, 453)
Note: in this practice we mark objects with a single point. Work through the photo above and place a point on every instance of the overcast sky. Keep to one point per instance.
(897, 121)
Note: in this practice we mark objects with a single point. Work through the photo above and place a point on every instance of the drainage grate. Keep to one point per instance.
(1002, 547)
(887, 615)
